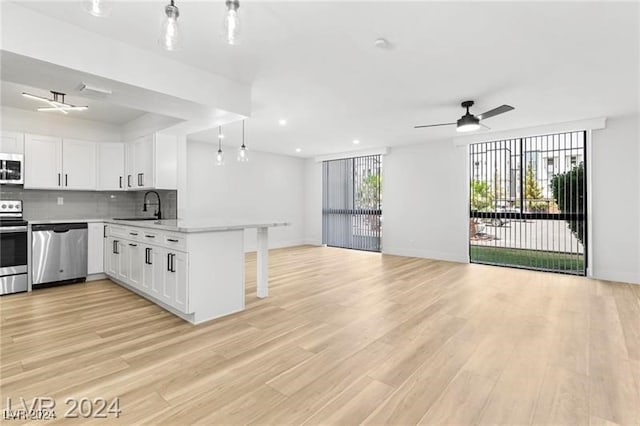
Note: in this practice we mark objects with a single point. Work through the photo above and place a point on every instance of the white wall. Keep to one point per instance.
(615, 197)
(313, 202)
(268, 187)
(424, 204)
(18, 120)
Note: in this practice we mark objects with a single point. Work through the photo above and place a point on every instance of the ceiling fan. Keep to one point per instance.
(470, 122)
(55, 104)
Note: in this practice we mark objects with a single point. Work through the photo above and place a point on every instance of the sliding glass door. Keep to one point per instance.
(527, 205)
(352, 203)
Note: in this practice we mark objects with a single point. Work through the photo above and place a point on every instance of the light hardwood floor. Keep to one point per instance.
(345, 337)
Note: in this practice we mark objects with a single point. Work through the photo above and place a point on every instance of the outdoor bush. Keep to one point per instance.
(568, 191)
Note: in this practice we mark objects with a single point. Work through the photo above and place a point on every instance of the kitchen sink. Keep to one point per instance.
(134, 218)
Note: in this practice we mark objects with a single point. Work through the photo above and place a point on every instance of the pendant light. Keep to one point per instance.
(97, 8)
(220, 154)
(243, 154)
(232, 22)
(170, 32)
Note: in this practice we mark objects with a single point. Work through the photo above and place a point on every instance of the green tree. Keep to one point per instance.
(369, 192)
(482, 196)
(532, 191)
(568, 192)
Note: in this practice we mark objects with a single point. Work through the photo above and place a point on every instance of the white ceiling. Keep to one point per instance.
(314, 63)
(11, 96)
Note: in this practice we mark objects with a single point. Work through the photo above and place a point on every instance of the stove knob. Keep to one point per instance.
(10, 206)
(4, 206)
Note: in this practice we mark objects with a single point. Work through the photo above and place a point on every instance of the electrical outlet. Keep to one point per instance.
(60, 201)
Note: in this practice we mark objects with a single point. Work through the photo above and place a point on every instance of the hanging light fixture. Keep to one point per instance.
(98, 8)
(220, 154)
(232, 22)
(243, 154)
(170, 32)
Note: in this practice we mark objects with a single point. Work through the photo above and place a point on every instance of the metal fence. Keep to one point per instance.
(527, 202)
(351, 203)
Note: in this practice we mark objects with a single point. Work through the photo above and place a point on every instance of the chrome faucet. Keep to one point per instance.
(158, 213)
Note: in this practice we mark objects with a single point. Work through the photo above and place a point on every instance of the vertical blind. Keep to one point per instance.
(351, 203)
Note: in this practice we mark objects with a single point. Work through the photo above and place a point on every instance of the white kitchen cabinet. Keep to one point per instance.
(124, 262)
(112, 257)
(11, 143)
(79, 164)
(111, 167)
(136, 262)
(95, 247)
(152, 272)
(42, 162)
(152, 162)
(174, 289)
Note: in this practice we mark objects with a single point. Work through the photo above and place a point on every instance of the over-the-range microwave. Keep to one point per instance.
(11, 169)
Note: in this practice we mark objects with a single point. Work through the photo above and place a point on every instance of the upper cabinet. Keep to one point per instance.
(11, 143)
(111, 176)
(78, 164)
(148, 162)
(54, 163)
(42, 162)
(152, 162)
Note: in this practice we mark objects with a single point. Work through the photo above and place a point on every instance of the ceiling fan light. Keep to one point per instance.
(468, 123)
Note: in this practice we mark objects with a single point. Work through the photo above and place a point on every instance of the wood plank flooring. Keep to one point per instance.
(345, 337)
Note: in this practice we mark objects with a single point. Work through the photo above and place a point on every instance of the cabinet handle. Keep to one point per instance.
(59, 181)
(133, 245)
(147, 256)
(173, 262)
(141, 179)
(120, 181)
(104, 232)
(169, 262)
(129, 181)
(171, 240)
(66, 180)
(133, 233)
(150, 236)
(115, 247)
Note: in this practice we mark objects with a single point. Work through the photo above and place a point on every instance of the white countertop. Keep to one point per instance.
(176, 225)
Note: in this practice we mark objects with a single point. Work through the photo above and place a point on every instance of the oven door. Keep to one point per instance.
(13, 250)
(12, 169)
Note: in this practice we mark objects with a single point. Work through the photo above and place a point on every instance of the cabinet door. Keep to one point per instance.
(130, 166)
(123, 261)
(42, 162)
(143, 161)
(95, 247)
(136, 262)
(112, 257)
(111, 166)
(11, 143)
(79, 164)
(153, 272)
(175, 286)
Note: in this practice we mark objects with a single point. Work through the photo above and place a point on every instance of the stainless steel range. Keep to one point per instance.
(13, 248)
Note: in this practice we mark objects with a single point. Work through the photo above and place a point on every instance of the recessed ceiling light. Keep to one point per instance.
(356, 141)
(382, 43)
(282, 122)
(298, 150)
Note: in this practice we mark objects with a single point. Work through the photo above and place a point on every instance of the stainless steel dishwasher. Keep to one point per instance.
(59, 253)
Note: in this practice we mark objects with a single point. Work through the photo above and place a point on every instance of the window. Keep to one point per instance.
(526, 217)
(352, 203)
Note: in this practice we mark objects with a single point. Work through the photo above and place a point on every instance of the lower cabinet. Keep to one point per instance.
(159, 272)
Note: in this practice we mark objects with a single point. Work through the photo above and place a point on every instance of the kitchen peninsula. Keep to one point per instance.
(192, 268)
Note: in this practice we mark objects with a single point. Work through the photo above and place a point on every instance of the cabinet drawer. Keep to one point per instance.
(175, 241)
(118, 231)
(150, 237)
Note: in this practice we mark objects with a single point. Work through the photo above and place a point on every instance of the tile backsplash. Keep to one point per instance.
(43, 204)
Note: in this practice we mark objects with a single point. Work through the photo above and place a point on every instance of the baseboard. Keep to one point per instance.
(96, 277)
(426, 254)
(617, 276)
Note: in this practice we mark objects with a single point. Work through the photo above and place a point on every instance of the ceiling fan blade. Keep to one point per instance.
(485, 126)
(433, 125)
(492, 113)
